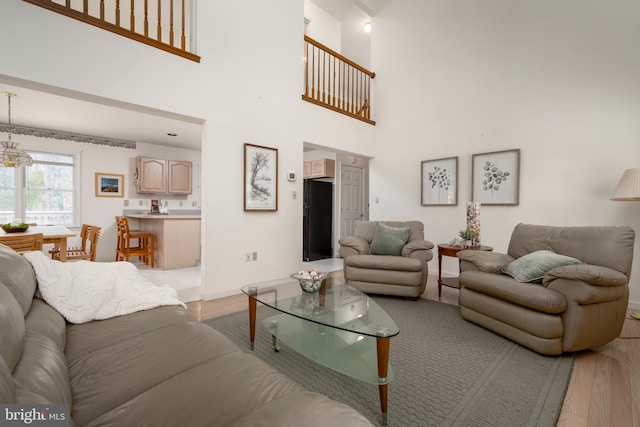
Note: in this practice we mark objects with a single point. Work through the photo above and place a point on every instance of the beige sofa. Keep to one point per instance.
(575, 307)
(404, 274)
(159, 367)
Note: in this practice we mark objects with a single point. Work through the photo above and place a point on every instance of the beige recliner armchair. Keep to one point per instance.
(400, 270)
(578, 304)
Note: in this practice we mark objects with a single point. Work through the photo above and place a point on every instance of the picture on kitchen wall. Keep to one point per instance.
(260, 178)
(496, 178)
(109, 185)
(439, 182)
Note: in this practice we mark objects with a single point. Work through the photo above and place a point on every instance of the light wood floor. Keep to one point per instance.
(605, 383)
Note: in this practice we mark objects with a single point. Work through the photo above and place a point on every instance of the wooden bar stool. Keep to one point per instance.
(139, 243)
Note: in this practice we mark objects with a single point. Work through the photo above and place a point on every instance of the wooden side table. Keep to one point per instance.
(452, 251)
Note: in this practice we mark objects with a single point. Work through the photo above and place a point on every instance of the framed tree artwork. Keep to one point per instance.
(496, 178)
(439, 182)
(260, 178)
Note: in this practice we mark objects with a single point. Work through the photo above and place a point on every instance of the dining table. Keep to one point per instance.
(56, 234)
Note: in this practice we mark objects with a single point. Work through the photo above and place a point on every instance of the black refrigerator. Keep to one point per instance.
(317, 220)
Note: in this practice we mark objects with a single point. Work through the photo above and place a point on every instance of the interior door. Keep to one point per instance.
(352, 199)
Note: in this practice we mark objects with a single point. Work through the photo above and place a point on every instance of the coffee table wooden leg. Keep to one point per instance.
(252, 319)
(439, 275)
(382, 344)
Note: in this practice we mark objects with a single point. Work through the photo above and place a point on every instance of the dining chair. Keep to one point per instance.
(22, 243)
(89, 235)
(132, 244)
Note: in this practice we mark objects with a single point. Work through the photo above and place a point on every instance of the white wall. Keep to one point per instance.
(558, 80)
(356, 44)
(323, 27)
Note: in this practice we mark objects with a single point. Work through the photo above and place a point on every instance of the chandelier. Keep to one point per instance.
(10, 155)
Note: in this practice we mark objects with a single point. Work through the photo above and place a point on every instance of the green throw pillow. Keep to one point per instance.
(532, 267)
(389, 240)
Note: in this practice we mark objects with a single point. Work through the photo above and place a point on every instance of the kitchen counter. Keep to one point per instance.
(164, 216)
(176, 236)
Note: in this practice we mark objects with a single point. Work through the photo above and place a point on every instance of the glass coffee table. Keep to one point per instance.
(338, 327)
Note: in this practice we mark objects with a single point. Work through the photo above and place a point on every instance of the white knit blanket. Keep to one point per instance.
(83, 290)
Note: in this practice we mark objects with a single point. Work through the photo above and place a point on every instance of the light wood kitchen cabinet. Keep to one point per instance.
(306, 170)
(159, 176)
(322, 168)
(179, 177)
(152, 175)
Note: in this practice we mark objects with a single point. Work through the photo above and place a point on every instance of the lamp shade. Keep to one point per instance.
(629, 186)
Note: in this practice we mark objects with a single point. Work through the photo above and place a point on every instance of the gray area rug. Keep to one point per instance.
(448, 372)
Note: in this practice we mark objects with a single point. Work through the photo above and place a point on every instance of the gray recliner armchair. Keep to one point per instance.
(580, 303)
(403, 273)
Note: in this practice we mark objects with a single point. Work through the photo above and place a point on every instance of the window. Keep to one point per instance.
(43, 193)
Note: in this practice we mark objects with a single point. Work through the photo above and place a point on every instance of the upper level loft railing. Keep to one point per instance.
(333, 81)
(146, 21)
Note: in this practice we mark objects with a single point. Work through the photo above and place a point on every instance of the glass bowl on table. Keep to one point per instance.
(310, 280)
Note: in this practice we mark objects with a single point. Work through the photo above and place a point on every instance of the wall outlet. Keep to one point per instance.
(294, 194)
(254, 256)
(126, 202)
(140, 202)
(247, 257)
(180, 203)
(194, 204)
(166, 203)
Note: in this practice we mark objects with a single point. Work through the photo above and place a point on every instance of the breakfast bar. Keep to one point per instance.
(177, 237)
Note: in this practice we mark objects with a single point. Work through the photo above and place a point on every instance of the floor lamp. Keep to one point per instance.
(628, 189)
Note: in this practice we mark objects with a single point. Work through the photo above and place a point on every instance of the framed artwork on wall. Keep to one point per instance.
(260, 178)
(496, 178)
(109, 185)
(439, 182)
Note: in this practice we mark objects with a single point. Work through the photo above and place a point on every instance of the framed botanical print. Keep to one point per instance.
(260, 178)
(439, 182)
(496, 178)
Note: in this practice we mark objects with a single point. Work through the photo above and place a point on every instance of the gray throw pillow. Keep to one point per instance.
(532, 267)
(389, 240)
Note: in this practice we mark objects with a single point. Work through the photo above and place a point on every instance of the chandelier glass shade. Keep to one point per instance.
(10, 155)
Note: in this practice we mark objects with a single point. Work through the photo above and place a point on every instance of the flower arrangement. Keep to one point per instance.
(467, 234)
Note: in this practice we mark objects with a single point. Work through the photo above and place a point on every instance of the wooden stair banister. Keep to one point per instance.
(335, 82)
(116, 27)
